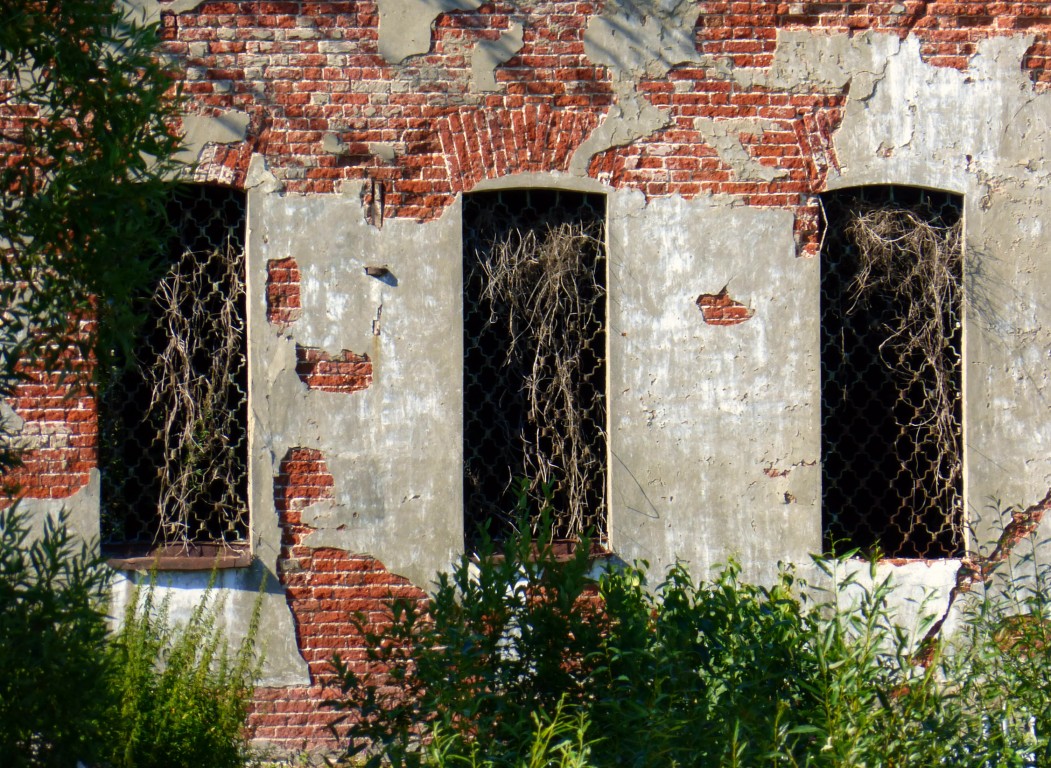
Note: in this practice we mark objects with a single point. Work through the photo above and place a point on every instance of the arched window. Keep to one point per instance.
(534, 360)
(173, 420)
(891, 427)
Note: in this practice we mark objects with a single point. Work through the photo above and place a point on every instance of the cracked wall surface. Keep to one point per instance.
(712, 128)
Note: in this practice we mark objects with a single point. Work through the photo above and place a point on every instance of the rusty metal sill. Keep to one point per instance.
(178, 557)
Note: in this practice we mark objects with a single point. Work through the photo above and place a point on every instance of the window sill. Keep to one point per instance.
(177, 557)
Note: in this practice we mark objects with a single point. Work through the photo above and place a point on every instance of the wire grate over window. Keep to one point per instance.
(891, 440)
(534, 361)
(173, 440)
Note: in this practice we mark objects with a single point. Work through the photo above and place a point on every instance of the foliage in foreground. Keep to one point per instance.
(183, 695)
(155, 695)
(87, 145)
(55, 673)
(516, 645)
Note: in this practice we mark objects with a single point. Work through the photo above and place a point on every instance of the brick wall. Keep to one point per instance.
(59, 438)
(310, 72)
(324, 588)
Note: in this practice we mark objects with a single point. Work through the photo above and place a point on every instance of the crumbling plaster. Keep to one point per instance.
(698, 412)
(394, 448)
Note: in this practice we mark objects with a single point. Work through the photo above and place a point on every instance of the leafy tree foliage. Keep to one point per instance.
(85, 145)
(55, 672)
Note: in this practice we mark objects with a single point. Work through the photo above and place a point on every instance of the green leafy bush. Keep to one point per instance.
(719, 673)
(54, 670)
(183, 695)
(153, 694)
(502, 639)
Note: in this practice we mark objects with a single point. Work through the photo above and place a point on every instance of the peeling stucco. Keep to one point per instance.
(635, 40)
(805, 62)
(488, 54)
(642, 38)
(724, 136)
(405, 25)
(394, 448)
(630, 119)
(227, 127)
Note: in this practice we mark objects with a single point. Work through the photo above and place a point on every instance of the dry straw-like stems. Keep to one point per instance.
(194, 392)
(916, 261)
(543, 284)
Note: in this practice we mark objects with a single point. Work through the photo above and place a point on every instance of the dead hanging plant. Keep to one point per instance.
(915, 261)
(544, 285)
(194, 395)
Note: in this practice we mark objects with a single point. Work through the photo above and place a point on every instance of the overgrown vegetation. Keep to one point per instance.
(183, 695)
(155, 695)
(522, 647)
(543, 284)
(910, 258)
(87, 142)
(55, 672)
(200, 301)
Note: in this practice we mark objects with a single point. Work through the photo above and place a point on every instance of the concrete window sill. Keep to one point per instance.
(178, 557)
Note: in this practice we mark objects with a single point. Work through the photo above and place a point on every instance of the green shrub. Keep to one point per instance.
(502, 639)
(183, 696)
(718, 673)
(54, 671)
(558, 741)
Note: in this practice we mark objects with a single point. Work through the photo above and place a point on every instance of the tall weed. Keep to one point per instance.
(183, 694)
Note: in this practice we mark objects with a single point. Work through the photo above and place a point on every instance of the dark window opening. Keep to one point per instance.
(534, 431)
(891, 436)
(173, 424)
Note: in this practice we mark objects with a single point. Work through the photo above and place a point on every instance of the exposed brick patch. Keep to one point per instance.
(282, 292)
(325, 588)
(720, 309)
(303, 478)
(347, 372)
(60, 433)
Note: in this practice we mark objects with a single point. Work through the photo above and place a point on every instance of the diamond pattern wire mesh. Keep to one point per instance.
(173, 441)
(890, 410)
(534, 361)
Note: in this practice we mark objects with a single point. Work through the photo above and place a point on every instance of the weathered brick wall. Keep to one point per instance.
(326, 108)
(59, 437)
(324, 588)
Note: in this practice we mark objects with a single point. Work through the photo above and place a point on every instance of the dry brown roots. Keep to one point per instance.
(546, 284)
(918, 263)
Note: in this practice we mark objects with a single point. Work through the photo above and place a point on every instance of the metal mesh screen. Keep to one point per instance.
(891, 372)
(173, 441)
(534, 361)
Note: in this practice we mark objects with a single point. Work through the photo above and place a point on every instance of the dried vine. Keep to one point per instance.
(543, 285)
(194, 394)
(916, 261)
